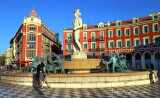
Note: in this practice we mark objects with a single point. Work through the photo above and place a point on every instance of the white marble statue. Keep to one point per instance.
(77, 24)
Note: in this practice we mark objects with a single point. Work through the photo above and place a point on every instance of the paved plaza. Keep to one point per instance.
(17, 91)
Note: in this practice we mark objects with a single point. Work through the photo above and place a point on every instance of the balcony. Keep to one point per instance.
(94, 49)
(101, 49)
(68, 50)
(68, 40)
(93, 39)
(31, 48)
(53, 39)
(47, 44)
(101, 38)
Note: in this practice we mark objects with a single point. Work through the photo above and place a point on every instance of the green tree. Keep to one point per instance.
(2, 59)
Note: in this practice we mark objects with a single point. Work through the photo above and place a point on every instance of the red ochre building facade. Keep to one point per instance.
(135, 38)
(33, 38)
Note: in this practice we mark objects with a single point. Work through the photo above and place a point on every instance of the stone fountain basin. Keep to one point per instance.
(85, 80)
(81, 65)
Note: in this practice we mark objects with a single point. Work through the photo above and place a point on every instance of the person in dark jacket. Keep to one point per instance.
(40, 74)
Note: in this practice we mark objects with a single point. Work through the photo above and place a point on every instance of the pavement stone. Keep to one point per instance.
(18, 91)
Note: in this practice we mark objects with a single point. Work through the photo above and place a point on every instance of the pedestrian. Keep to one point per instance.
(138, 66)
(40, 74)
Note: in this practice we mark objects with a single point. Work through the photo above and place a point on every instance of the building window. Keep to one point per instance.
(31, 37)
(157, 40)
(84, 26)
(101, 25)
(145, 29)
(128, 43)
(93, 54)
(31, 46)
(118, 22)
(126, 31)
(102, 54)
(118, 33)
(30, 53)
(69, 35)
(69, 46)
(155, 17)
(85, 45)
(135, 21)
(31, 28)
(31, 18)
(101, 35)
(93, 34)
(93, 46)
(136, 42)
(110, 33)
(119, 44)
(85, 35)
(146, 41)
(110, 44)
(155, 27)
(135, 30)
(102, 47)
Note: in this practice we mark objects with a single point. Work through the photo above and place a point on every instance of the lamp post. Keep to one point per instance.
(20, 64)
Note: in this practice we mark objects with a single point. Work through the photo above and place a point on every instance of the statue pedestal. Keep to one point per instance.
(81, 65)
(79, 55)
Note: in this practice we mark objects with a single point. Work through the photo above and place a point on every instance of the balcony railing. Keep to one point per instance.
(68, 40)
(97, 49)
(101, 49)
(101, 38)
(53, 39)
(68, 50)
(93, 39)
(94, 49)
(31, 48)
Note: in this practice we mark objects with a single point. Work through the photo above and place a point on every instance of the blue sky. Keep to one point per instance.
(58, 14)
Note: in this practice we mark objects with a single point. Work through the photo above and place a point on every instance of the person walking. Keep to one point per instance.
(40, 74)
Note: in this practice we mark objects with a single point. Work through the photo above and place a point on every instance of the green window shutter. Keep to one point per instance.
(129, 32)
(147, 29)
(142, 30)
(121, 32)
(133, 31)
(148, 41)
(153, 41)
(134, 43)
(158, 27)
(138, 30)
(108, 34)
(139, 42)
(152, 28)
(113, 45)
(143, 41)
(121, 44)
(124, 32)
(125, 43)
(116, 43)
(130, 43)
(111, 34)
(108, 44)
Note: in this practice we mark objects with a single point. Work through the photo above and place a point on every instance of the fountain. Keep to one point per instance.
(80, 64)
